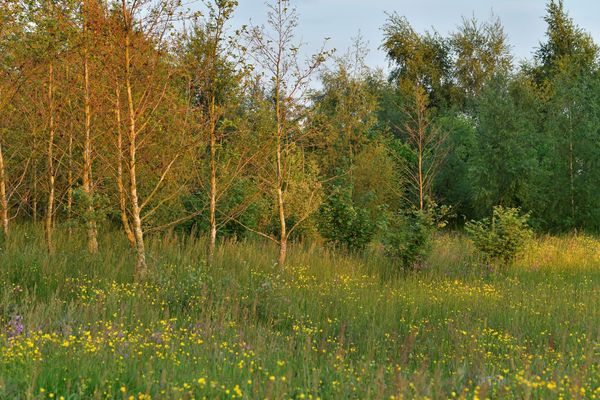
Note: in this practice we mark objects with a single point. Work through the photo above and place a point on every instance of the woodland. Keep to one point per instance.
(191, 209)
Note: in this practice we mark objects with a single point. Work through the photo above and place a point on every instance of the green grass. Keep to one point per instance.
(327, 326)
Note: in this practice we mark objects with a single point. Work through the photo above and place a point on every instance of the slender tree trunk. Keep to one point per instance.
(141, 267)
(70, 183)
(279, 167)
(213, 182)
(280, 202)
(572, 174)
(87, 154)
(281, 209)
(34, 202)
(50, 154)
(421, 188)
(283, 237)
(3, 196)
(120, 185)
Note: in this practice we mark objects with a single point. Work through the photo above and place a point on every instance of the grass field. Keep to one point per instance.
(328, 326)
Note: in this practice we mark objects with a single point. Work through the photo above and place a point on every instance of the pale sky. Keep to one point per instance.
(342, 19)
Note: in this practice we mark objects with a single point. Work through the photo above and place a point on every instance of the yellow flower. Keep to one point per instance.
(237, 390)
(202, 382)
(123, 389)
(271, 378)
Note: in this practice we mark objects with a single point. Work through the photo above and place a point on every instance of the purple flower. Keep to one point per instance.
(15, 326)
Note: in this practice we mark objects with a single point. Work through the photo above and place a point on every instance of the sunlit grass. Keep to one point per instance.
(327, 326)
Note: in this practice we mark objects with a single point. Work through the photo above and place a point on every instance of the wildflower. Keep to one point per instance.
(237, 390)
(15, 326)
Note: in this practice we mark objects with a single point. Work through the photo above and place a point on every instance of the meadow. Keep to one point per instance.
(327, 326)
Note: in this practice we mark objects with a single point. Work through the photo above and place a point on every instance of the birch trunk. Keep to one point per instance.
(279, 177)
(34, 205)
(3, 196)
(70, 183)
(141, 267)
(120, 185)
(50, 153)
(213, 183)
(421, 183)
(92, 233)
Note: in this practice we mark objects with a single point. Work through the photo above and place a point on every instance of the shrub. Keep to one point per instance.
(500, 239)
(407, 238)
(341, 222)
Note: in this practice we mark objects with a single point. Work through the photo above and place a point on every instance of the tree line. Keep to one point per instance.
(143, 116)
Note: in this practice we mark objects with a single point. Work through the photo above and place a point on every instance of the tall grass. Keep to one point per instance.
(328, 325)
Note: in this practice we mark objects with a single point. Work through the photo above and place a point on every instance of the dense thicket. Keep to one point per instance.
(113, 113)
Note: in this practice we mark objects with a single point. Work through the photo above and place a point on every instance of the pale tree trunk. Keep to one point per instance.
(50, 154)
(3, 196)
(120, 185)
(87, 155)
(141, 267)
(571, 173)
(34, 205)
(70, 183)
(281, 208)
(572, 181)
(420, 172)
(421, 129)
(279, 177)
(213, 183)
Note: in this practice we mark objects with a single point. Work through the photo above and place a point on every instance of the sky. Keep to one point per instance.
(341, 20)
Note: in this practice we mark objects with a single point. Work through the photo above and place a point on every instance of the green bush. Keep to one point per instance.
(407, 238)
(500, 239)
(343, 223)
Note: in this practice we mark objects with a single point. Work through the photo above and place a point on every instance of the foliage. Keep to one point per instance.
(407, 238)
(343, 223)
(500, 239)
(566, 43)
(232, 137)
(482, 52)
(240, 209)
(86, 207)
(504, 162)
(419, 59)
(453, 184)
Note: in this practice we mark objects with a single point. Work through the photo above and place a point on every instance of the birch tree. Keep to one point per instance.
(275, 51)
(142, 40)
(425, 140)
